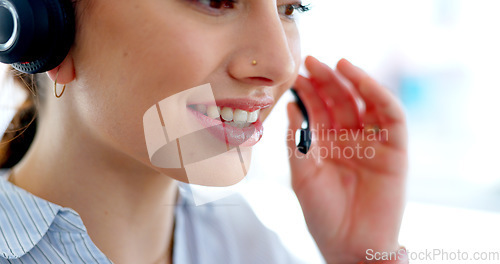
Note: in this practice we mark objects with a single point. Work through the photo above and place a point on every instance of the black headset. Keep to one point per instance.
(36, 35)
(305, 139)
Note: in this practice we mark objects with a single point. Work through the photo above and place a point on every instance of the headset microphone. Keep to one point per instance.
(36, 35)
(305, 139)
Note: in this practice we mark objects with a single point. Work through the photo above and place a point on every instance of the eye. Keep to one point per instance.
(215, 6)
(288, 10)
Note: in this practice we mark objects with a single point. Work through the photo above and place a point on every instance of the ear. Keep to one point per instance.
(66, 71)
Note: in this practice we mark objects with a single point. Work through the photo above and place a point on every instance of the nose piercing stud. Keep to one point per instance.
(254, 62)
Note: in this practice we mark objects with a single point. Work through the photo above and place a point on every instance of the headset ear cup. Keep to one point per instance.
(60, 37)
(52, 45)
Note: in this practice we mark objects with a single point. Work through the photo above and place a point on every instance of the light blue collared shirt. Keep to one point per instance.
(33, 230)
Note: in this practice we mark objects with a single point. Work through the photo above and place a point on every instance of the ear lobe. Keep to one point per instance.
(65, 72)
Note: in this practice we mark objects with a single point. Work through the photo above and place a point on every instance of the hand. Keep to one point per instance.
(351, 182)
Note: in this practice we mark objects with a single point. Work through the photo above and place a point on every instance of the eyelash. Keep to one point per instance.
(214, 6)
(296, 7)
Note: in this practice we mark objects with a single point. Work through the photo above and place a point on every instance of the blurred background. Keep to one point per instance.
(441, 58)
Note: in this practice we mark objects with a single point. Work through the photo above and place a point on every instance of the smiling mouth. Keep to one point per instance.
(231, 116)
(234, 122)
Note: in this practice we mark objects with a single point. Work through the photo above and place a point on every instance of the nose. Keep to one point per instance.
(265, 48)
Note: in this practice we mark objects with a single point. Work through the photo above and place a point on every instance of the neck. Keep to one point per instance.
(127, 207)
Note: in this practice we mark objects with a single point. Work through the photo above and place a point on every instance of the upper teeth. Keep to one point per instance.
(213, 112)
(239, 116)
(228, 114)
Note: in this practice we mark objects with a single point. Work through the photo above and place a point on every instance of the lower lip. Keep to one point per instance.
(233, 136)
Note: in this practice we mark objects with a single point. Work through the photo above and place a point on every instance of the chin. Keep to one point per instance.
(226, 169)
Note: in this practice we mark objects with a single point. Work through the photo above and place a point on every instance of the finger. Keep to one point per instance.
(380, 100)
(352, 73)
(318, 115)
(382, 107)
(386, 112)
(354, 108)
(375, 95)
(340, 98)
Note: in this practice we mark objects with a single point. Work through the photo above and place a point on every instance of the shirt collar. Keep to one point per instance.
(25, 219)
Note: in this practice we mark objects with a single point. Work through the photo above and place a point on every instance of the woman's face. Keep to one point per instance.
(131, 54)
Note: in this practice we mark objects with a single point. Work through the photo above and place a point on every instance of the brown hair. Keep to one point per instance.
(21, 131)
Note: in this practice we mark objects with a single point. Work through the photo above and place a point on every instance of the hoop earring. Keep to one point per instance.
(55, 86)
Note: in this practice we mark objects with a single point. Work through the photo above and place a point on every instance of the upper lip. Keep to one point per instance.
(246, 104)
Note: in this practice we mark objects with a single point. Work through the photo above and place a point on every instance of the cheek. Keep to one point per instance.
(128, 64)
(295, 50)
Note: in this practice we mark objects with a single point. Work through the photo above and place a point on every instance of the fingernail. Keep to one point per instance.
(312, 58)
(356, 67)
(316, 61)
(348, 61)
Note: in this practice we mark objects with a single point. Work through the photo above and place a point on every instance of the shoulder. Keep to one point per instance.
(33, 230)
(21, 219)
